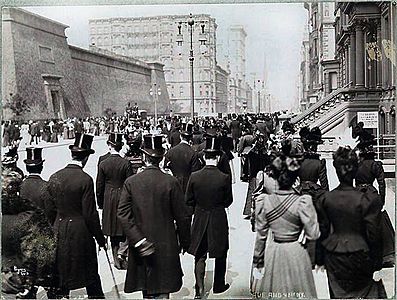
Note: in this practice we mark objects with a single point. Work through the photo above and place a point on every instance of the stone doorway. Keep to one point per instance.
(54, 95)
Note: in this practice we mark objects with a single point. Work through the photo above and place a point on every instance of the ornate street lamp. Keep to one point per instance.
(203, 48)
(155, 93)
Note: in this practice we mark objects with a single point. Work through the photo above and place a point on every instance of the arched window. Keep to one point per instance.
(181, 75)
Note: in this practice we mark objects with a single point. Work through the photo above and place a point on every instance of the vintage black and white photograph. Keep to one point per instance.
(154, 150)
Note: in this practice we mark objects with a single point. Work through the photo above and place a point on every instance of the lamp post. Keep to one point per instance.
(155, 93)
(202, 40)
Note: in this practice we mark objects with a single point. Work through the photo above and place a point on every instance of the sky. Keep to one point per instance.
(274, 34)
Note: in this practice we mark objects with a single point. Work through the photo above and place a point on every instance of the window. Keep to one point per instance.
(181, 91)
(45, 54)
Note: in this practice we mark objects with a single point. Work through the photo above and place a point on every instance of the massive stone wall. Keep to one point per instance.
(109, 82)
(38, 47)
(37, 61)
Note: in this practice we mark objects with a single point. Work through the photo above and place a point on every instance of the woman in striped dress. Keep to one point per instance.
(284, 269)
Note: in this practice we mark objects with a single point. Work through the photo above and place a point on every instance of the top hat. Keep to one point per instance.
(187, 129)
(153, 145)
(212, 144)
(33, 156)
(115, 139)
(82, 143)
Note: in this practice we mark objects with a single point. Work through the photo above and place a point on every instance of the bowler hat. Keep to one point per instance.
(212, 144)
(153, 145)
(115, 139)
(33, 156)
(82, 143)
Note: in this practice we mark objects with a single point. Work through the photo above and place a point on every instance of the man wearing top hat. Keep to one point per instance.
(33, 187)
(182, 160)
(77, 222)
(112, 172)
(150, 203)
(223, 161)
(209, 192)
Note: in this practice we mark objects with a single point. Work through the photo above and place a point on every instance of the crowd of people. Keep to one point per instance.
(164, 189)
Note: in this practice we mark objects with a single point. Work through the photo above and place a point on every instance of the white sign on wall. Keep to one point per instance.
(369, 118)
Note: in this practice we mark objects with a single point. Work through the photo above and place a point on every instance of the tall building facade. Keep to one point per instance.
(240, 91)
(319, 68)
(365, 82)
(167, 39)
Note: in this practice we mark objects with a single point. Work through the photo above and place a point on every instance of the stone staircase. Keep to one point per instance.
(334, 113)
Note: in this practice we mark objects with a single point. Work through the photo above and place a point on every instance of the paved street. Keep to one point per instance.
(241, 237)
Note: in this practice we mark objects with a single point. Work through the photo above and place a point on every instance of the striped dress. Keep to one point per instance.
(286, 263)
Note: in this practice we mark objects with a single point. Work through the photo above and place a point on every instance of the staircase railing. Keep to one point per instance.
(325, 103)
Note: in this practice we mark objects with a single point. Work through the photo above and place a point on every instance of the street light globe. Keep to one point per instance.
(190, 22)
(203, 48)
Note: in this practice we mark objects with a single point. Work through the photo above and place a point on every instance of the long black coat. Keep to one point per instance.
(313, 177)
(235, 128)
(150, 202)
(112, 172)
(355, 220)
(175, 138)
(35, 189)
(209, 191)
(76, 225)
(369, 170)
(182, 161)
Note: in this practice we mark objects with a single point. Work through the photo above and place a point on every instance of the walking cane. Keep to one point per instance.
(111, 272)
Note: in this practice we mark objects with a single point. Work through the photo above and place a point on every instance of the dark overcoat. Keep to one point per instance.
(112, 172)
(103, 157)
(175, 138)
(76, 225)
(350, 224)
(355, 220)
(235, 128)
(313, 177)
(209, 191)
(35, 189)
(369, 170)
(182, 160)
(150, 203)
